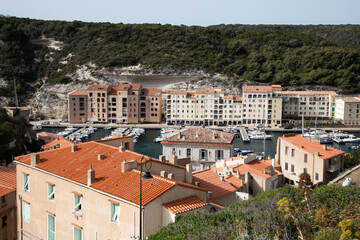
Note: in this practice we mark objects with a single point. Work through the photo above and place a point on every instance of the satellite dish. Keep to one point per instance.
(347, 182)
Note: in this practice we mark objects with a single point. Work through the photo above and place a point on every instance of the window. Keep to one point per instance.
(316, 176)
(292, 152)
(203, 154)
(3, 201)
(4, 221)
(77, 233)
(188, 152)
(292, 168)
(286, 150)
(77, 203)
(51, 191)
(26, 178)
(51, 227)
(114, 212)
(27, 211)
(305, 157)
(305, 170)
(286, 166)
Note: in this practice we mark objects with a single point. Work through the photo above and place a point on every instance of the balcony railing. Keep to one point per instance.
(334, 167)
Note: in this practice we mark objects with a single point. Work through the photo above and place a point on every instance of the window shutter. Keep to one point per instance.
(51, 227)
(26, 211)
(26, 181)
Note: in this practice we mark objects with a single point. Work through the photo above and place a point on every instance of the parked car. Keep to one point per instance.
(55, 123)
(170, 123)
(45, 123)
(63, 120)
(221, 124)
(288, 127)
(90, 122)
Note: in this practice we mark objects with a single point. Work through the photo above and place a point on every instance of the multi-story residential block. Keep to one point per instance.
(202, 145)
(297, 154)
(8, 203)
(262, 105)
(127, 103)
(309, 103)
(204, 106)
(347, 110)
(92, 191)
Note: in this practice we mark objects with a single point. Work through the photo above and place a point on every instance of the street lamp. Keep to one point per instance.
(147, 175)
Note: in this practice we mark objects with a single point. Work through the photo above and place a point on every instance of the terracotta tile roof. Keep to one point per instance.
(113, 91)
(211, 181)
(134, 87)
(228, 97)
(151, 91)
(47, 136)
(256, 167)
(238, 98)
(108, 175)
(190, 95)
(176, 91)
(98, 87)
(200, 91)
(77, 92)
(235, 181)
(212, 200)
(332, 93)
(185, 204)
(352, 100)
(59, 141)
(200, 135)
(254, 89)
(311, 146)
(7, 181)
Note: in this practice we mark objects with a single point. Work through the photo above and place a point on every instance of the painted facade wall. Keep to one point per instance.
(8, 217)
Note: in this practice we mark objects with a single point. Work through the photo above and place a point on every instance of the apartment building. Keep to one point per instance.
(203, 106)
(8, 203)
(297, 154)
(347, 110)
(95, 193)
(309, 103)
(127, 103)
(203, 146)
(262, 105)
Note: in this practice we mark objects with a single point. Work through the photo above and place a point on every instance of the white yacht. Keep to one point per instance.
(36, 127)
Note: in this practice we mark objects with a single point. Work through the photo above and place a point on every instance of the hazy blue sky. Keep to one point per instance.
(189, 12)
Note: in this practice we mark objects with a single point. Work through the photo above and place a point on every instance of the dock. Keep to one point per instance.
(80, 129)
(244, 135)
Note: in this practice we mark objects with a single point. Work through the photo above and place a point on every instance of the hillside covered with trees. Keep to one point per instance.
(293, 56)
(324, 213)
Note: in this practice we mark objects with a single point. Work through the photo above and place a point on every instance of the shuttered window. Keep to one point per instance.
(114, 212)
(51, 227)
(26, 179)
(77, 203)
(51, 191)
(26, 209)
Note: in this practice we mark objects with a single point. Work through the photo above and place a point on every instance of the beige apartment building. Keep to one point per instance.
(203, 106)
(203, 146)
(8, 204)
(262, 105)
(127, 103)
(309, 103)
(347, 111)
(297, 154)
(95, 193)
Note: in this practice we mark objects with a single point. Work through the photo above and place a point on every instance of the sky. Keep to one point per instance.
(189, 12)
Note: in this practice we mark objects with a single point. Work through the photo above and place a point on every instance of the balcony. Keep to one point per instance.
(333, 168)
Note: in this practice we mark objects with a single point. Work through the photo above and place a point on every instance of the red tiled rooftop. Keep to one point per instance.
(200, 91)
(125, 86)
(59, 141)
(78, 93)
(211, 181)
(108, 175)
(47, 136)
(254, 89)
(151, 91)
(332, 93)
(256, 167)
(176, 91)
(113, 91)
(7, 181)
(228, 97)
(98, 87)
(235, 181)
(212, 200)
(238, 98)
(185, 204)
(352, 100)
(200, 136)
(311, 146)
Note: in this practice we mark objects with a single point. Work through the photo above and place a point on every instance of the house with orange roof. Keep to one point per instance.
(203, 106)
(8, 222)
(127, 103)
(347, 110)
(297, 154)
(262, 105)
(203, 146)
(93, 189)
(57, 143)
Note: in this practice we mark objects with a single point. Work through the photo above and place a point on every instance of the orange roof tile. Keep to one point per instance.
(151, 91)
(108, 175)
(77, 93)
(98, 87)
(7, 181)
(211, 181)
(235, 181)
(200, 91)
(256, 167)
(185, 204)
(352, 100)
(125, 86)
(228, 97)
(59, 142)
(200, 136)
(261, 88)
(238, 98)
(332, 93)
(212, 200)
(311, 146)
(176, 91)
(113, 91)
(47, 136)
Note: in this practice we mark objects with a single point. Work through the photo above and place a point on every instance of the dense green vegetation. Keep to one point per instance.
(352, 159)
(283, 213)
(14, 137)
(288, 55)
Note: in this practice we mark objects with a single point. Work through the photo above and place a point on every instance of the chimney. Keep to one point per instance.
(163, 174)
(197, 134)
(73, 147)
(214, 135)
(325, 147)
(273, 162)
(209, 195)
(90, 176)
(162, 158)
(171, 176)
(34, 157)
(222, 178)
(173, 159)
(188, 173)
(121, 148)
(179, 135)
(197, 183)
(101, 156)
(125, 165)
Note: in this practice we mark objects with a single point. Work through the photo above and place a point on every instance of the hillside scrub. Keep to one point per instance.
(288, 55)
(278, 214)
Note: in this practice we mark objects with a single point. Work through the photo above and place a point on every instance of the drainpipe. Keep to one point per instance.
(21, 218)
